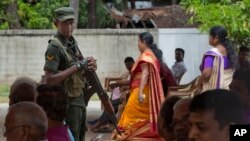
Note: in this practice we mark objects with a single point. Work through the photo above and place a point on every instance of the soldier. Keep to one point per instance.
(65, 65)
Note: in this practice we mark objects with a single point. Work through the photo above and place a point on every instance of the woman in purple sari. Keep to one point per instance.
(218, 63)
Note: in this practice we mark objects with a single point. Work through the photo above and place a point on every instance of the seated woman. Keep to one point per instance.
(139, 118)
(53, 100)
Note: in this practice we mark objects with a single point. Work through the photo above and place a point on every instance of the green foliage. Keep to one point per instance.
(3, 16)
(103, 18)
(4, 25)
(39, 16)
(39, 23)
(233, 14)
(83, 14)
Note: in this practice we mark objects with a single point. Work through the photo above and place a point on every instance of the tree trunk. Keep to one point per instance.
(11, 10)
(125, 3)
(75, 5)
(132, 4)
(92, 23)
(174, 2)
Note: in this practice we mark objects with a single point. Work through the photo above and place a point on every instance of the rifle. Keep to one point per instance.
(95, 86)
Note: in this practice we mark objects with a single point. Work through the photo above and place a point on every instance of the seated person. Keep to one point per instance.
(165, 118)
(212, 112)
(121, 86)
(25, 121)
(129, 62)
(240, 85)
(23, 89)
(53, 100)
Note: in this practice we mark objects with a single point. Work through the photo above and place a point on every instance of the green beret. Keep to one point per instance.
(64, 13)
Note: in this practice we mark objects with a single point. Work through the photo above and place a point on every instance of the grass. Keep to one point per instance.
(4, 93)
(5, 89)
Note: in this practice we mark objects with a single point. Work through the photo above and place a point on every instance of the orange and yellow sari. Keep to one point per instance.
(139, 120)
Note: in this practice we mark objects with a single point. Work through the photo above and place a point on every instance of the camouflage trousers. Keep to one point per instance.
(76, 120)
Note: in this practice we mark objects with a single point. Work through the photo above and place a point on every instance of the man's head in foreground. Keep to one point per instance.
(25, 121)
(212, 112)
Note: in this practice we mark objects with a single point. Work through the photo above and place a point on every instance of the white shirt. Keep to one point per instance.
(178, 69)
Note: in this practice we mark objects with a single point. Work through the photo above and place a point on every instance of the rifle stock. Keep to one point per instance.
(95, 86)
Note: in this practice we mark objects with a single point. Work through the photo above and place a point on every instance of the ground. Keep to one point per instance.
(93, 112)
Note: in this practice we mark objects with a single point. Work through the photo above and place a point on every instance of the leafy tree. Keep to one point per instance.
(233, 14)
(32, 15)
(7, 14)
(11, 10)
(39, 16)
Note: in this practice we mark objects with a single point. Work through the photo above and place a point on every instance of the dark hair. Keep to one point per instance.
(243, 75)
(181, 50)
(149, 40)
(226, 106)
(128, 59)
(244, 49)
(167, 111)
(221, 33)
(53, 100)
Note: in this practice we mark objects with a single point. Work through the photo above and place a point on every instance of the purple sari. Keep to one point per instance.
(222, 71)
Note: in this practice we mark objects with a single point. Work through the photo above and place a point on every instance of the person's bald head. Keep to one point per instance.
(25, 120)
(182, 103)
(180, 123)
(23, 89)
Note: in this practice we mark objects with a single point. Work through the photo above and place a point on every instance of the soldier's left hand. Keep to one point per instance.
(91, 63)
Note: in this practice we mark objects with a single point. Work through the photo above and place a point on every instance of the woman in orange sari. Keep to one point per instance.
(139, 118)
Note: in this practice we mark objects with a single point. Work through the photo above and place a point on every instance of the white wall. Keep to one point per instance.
(192, 41)
(22, 51)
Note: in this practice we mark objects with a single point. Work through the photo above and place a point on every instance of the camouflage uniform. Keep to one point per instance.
(60, 55)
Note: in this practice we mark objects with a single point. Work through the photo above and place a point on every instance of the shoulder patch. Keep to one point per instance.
(49, 57)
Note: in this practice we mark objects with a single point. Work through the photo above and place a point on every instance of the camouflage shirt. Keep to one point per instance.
(56, 60)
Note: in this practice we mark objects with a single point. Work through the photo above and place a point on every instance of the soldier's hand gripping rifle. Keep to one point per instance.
(95, 86)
